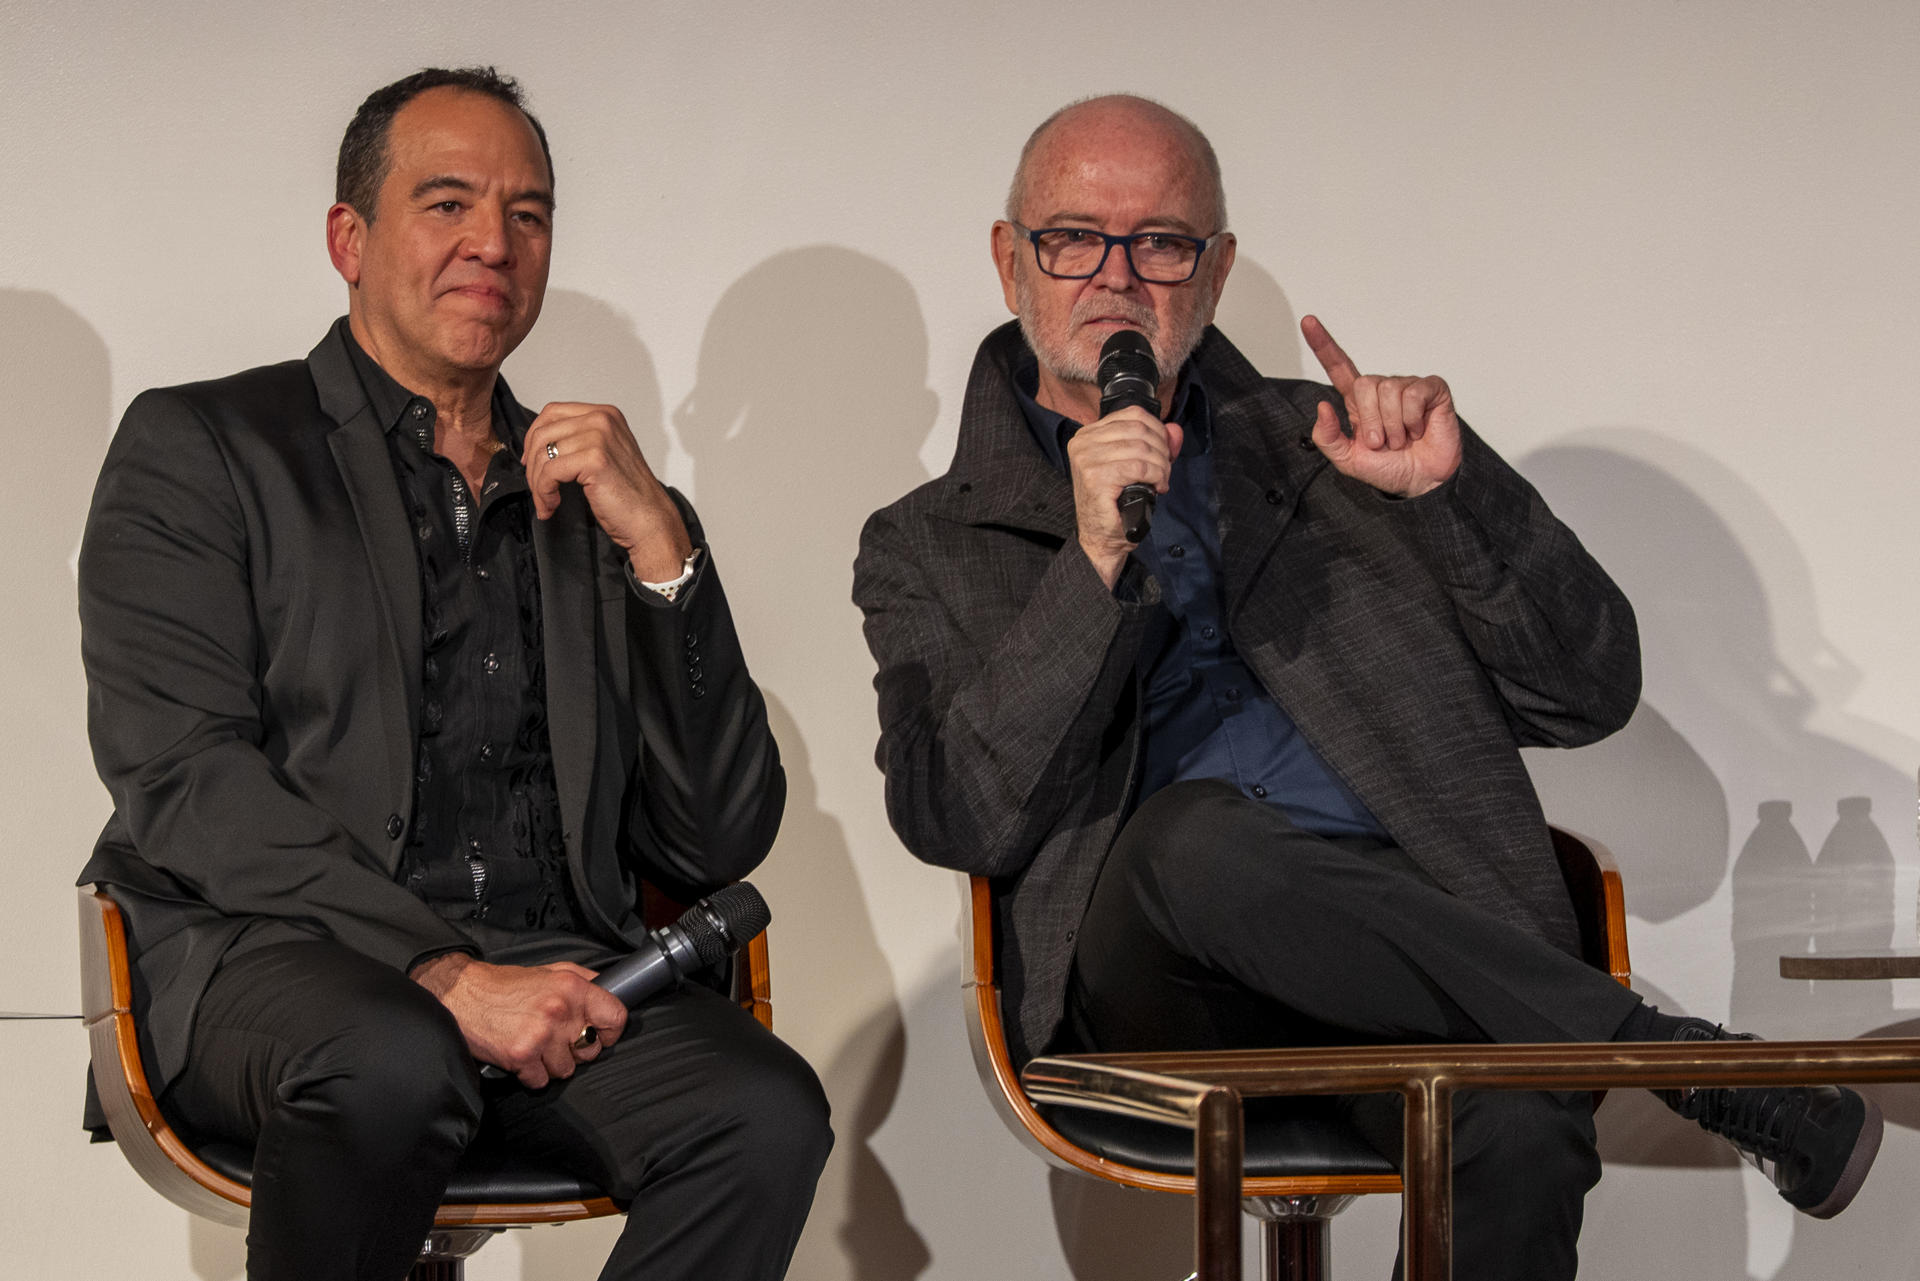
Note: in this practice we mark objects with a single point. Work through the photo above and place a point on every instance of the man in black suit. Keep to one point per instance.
(1256, 780)
(399, 689)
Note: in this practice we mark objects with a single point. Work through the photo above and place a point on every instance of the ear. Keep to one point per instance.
(346, 240)
(1223, 250)
(1006, 243)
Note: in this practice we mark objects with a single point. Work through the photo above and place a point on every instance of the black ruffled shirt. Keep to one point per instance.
(486, 848)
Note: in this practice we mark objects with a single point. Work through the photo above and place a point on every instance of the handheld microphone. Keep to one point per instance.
(706, 934)
(1128, 376)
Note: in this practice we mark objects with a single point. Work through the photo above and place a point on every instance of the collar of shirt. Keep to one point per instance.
(395, 407)
(1052, 431)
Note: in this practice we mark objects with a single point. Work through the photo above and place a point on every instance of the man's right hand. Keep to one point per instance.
(1127, 447)
(525, 1019)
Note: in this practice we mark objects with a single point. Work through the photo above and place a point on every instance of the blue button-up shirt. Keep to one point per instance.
(1206, 715)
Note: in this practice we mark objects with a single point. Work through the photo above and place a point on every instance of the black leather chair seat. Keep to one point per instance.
(1284, 1137)
(482, 1177)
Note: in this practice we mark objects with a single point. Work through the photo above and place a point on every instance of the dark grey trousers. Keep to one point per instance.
(1216, 924)
(355, 1088)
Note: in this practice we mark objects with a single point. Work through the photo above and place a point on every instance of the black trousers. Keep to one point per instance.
(1217, 924)
(356, 1090)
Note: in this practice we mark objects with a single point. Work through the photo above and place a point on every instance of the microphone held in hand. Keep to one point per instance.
(1128, 376)
(706, 934)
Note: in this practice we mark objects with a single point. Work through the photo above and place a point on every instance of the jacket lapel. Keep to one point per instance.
(998, 474)
(1264, 459)
(563, 549)
(359, 447)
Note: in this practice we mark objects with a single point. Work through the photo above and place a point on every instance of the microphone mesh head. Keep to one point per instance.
(1126, 373)
(725, 920)
(1127, 351)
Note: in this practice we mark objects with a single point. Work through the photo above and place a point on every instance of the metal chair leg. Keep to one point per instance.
(444, 1256)
(1295, 1244)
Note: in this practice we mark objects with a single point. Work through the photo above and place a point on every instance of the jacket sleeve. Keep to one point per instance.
(711, 789)
(173, 652)
(987, 740)
(1553, 633)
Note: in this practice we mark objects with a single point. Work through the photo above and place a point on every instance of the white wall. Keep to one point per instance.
(1664, 250)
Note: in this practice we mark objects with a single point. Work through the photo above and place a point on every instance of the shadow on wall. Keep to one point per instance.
(1255, 314)
(809, 409)
(1722, 748)
(59, 389)
(830, 945)
(1111, 1233)
(60, 402)
(59, 382)
(1720, 775)
(586, 350)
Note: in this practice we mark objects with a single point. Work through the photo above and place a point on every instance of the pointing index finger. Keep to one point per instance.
(1340, 368)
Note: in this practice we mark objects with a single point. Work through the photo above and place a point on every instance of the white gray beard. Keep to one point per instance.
(1170, 349)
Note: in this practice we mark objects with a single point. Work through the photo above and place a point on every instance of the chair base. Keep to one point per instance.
(1295, 1244)
(444, 1256)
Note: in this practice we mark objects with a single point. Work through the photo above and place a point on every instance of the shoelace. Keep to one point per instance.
(1764, 1122)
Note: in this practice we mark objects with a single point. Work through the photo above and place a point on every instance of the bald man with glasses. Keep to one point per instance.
(1254, 780)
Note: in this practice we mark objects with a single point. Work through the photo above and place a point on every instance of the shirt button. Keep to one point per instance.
(483, 574)
(486, 751)
(491, 664)
(1233, 693)
(419, 411)
(1258, 791)
(1273, 497)
(426, 532)
(1208, 632)
(395, 826)
(1176, 551)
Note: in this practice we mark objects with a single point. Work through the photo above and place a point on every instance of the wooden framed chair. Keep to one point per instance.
(213, 1179)
(1303, 1164)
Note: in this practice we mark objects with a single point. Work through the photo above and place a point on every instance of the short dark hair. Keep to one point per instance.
(364, 157)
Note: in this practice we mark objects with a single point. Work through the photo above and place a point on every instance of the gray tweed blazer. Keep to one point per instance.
(1418, 645)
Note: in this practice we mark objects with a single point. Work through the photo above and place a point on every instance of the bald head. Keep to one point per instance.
(1091, 127)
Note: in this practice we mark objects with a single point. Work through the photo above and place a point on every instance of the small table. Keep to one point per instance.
(1884, 963)
(1204, 1092)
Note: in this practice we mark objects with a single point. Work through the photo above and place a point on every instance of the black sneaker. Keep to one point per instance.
(1816, 1142)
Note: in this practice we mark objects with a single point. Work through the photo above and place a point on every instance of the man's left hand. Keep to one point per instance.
(1406, 437)
(592, 446)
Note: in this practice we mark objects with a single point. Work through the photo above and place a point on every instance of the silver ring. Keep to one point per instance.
(553, 450)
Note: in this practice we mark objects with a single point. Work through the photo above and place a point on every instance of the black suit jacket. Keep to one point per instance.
(250, 624)
(1417, 644)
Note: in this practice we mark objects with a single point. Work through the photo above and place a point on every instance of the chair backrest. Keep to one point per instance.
(1593, 882)
(1599, 902)
(170, 1166)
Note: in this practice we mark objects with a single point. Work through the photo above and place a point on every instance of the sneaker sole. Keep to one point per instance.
(1859, 1162)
